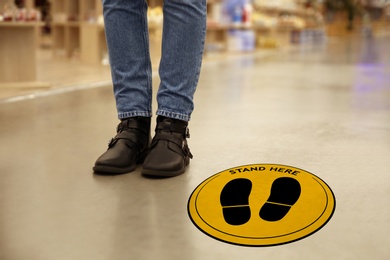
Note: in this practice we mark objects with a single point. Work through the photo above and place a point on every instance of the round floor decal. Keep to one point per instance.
(261, 205)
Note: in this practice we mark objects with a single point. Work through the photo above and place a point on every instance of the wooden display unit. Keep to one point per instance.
(18, 46)
(18, 51)
(76, 32)
(93, 43)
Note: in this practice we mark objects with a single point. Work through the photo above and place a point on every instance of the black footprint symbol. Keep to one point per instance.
(235, 201)
(285, 192)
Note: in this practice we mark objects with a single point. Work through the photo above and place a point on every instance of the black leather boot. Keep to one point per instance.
(169, 153)
(128, 148)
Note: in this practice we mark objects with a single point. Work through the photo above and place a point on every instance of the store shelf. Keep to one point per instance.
(76, 33)
(75, 27)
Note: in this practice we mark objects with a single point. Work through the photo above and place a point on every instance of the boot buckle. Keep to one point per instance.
(186, 150)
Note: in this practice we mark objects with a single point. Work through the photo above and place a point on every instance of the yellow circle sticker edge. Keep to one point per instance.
(261, 205)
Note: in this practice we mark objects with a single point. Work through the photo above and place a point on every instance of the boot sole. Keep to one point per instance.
(112, 170)
(155, 173)
(109, 170)
(162, 174)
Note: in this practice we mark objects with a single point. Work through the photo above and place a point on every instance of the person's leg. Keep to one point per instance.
(127, 39)
(182, 52)
(128, 47)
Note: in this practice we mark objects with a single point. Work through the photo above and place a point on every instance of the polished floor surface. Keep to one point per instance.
(325, 109)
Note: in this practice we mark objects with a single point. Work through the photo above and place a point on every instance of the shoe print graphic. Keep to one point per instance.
(285, 192)
(235, 201)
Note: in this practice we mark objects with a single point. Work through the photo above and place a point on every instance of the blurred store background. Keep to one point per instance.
(49, 44)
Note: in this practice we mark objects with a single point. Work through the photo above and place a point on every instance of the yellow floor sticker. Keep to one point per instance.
(261, 205)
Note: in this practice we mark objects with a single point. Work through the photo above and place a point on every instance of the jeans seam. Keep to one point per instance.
(201, 55)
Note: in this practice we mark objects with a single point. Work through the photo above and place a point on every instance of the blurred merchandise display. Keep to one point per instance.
(360, 17)
(9, 12)
(282, 13)
(74, 29)
(241, 40)
(244, 25)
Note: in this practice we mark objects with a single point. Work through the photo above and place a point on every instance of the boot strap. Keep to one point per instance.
(168, 137)
(131, 124)
(169, 127)
(130, 139)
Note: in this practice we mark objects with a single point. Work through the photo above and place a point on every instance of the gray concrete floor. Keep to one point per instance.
(325, 109)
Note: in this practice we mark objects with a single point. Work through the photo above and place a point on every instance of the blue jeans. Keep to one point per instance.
(184, 30)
